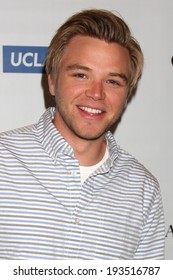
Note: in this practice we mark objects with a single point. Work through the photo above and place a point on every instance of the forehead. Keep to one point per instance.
(96, 52)
(79, 42)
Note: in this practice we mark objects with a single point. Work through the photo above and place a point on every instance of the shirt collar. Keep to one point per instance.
(113, 154)
(51, 139)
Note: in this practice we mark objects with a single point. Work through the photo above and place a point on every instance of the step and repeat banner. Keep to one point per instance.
(146, 129)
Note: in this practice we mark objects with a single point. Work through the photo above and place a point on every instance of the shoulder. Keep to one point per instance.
(29, 131)
(136, 171)
(17, 132)
(17, 137)
(127, 167)
(124, 162)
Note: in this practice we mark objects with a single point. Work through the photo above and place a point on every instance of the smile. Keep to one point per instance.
(90, 110)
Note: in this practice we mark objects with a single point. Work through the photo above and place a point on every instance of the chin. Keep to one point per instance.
(91, 136)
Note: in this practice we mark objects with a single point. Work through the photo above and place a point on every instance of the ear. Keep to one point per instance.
(51, 85)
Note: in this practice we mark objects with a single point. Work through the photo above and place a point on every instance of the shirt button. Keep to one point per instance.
(77, 221)
(66, 150)
(74, 173)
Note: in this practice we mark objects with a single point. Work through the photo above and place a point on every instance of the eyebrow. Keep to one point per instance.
(82, 67)
(77, 67)
(121, 75)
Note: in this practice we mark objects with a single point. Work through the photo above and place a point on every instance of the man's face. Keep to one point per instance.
(91, 88)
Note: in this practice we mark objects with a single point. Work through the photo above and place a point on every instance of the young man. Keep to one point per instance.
(67, 190)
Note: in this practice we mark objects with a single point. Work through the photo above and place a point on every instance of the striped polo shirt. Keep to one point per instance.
(46, 213)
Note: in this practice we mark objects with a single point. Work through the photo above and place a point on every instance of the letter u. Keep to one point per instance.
(18, 62)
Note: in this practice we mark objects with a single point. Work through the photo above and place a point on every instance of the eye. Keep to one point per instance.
(80, 75)
(113, 82)
(117, 82)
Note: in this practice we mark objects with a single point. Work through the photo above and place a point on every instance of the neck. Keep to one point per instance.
(87, 151)
(90, 152)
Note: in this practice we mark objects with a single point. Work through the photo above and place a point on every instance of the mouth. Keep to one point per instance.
(91, 111)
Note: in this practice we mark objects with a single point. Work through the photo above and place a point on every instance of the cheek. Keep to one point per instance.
(59, 95)
(118, 102)
(64, 96)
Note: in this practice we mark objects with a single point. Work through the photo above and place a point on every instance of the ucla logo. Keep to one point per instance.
(22, 59)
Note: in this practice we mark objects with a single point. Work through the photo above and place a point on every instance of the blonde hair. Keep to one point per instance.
(100, 24)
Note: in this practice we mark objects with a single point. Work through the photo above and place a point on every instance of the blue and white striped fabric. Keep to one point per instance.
(45, 212)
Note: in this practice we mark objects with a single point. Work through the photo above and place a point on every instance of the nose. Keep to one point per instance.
(96, 91)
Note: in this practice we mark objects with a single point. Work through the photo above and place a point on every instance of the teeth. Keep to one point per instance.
(91, 110)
